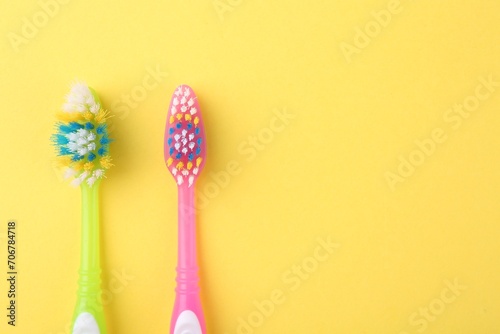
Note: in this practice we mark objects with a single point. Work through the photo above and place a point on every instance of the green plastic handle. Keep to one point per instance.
(89, 312)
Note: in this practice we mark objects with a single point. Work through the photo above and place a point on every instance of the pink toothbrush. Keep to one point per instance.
(184, 152)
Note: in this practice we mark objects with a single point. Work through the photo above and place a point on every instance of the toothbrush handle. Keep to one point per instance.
(187, 316)
(89, 313)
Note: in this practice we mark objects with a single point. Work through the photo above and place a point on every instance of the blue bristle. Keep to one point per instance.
(70, 127)
(190, 156)
(60, 139)
(199, 141)
(169, 141)
(198, 151)
(63, 128)
(196, 131)
(92, 156)
(64, 150)
(75, 126)
(179, 125)
(171, 131)
(89, 126)
(105, 140)
(171, 151)
(103, 150)
(101, 129)
(178, 156)
(77, 157)
(189, 126)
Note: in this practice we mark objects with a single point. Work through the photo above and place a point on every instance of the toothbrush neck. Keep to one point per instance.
(187, 228)
(90, 259)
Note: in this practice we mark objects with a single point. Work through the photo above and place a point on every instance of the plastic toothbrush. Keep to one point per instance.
(184, 152)
(82, 145)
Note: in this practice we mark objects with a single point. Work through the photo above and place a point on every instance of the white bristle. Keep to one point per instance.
(185, 172)
(177, 137)
(91, 180)
(81, 141)
(192, 110)
(179, 179)
(186, 92)
(173, 110)
(195, 171)
(174, 171)
(184, 141)
(184, 133)
(177, 146)
(69, 172)
(98, 173)
(82, 151)
(72, 136)
(184, 108)
(176, 101)
(191, 136)
(190, 102)
(76, 182)
(79, 179)
(183, 100)
(184, 150)
(82, 132)
(68, 107)
(80, 99)
(72, 146)
(191, 179)
(91, 146)
(95, 108)
(91, 136)
(191, 145)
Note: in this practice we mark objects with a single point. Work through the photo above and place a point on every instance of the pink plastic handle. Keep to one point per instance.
(187, 291)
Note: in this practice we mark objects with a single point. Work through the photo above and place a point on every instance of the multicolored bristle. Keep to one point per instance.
(184, 146)
(81, 137)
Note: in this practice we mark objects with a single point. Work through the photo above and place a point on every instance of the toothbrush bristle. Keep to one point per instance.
(184, 144)
(81, 137)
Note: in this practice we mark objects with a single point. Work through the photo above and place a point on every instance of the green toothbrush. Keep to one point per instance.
(82, 145)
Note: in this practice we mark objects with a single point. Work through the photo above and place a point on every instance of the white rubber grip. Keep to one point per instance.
(85, 323)
(187, 323)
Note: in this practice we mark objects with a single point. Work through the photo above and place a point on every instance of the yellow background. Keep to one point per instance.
(323, 175)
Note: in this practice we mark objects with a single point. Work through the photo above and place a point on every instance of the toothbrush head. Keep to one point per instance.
(81, 139)
(184, 143)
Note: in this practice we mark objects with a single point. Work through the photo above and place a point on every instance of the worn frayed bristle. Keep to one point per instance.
(88, 166)
(81, 137)
(102, 116)
(68, 117)
(106, 162)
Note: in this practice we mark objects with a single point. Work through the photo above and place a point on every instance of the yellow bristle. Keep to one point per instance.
(102, 116)
(106, 162)
(88, 166)
(198, 161)
(179, 116)
(196, 120)
(88, 115)
(172, 119)
(169, 161)
(189, 165)
(63, 161)
(180, 165)
(77, 165)
(69, 116)
(188, 117)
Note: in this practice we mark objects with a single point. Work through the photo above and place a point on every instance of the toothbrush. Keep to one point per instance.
(82, 145)
(185, 152)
